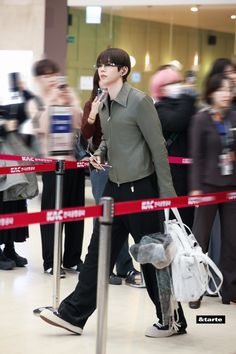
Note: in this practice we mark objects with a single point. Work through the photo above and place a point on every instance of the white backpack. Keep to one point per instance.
(190, 267)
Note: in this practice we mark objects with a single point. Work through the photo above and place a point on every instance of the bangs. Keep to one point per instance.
(45, 67)
(114, 55)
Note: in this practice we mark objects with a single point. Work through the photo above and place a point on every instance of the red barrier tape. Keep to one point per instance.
(24, 158)
(171, 159)
(179, 160)
(8, 221)
(28, 168)
(76, 164)
(51, 164)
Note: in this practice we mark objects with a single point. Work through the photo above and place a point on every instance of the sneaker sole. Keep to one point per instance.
(7, 268)
(142, 286)
(71, 270)
(164, 333)
(46, 314)
(62, 276)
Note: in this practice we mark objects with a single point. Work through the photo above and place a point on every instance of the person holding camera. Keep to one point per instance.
(54, 93)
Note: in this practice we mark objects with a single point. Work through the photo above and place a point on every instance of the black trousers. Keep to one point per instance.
(73, 195)
(203, 222)
(81, 303)
(180, 178)
(20, 234)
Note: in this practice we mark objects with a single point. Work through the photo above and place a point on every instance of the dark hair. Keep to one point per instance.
(219, 66)
(213, 84)
(95, 86)
(44, 67)
(117, 56)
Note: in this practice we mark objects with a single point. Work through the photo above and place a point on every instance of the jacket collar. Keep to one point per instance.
(122, 96)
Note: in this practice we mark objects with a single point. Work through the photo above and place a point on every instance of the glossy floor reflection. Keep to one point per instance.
(130, 312)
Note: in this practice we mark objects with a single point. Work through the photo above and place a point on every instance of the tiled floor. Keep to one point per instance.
(130, 312)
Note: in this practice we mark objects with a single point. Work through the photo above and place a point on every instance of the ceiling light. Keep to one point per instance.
(233, 17)
(93, 14)
(195, 60)
(147, 65)
(194, 9)
(132, 61)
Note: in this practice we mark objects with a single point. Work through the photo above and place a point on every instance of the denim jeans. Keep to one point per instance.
(124, 261)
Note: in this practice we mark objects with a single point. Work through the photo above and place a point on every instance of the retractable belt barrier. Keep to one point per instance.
(14, 220)
(46, 164)
(105, 211)
(8, 221)
(40, 164)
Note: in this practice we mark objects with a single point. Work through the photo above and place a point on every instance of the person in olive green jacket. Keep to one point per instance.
(134, 147)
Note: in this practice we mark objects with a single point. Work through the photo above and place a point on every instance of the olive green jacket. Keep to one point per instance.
(132, 140)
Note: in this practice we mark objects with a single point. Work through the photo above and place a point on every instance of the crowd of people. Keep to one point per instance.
(133, 133)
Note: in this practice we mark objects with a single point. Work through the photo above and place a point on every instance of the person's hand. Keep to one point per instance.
(54, 96)
(67, 96)
(96, 162)
(95, 104)
(195, 192)
(11, 125)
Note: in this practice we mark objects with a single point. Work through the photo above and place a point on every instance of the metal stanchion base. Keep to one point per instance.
(37, 311)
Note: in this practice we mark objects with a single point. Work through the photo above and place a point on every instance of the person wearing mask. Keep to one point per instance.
(91, 129)
(175, 107)
(213, 147)
(135, 148)
(52, 93)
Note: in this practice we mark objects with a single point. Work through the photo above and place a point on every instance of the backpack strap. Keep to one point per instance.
(217, 272)
(176, 213)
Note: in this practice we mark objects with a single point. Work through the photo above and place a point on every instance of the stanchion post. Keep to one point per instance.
(60, 170)
(103, 272)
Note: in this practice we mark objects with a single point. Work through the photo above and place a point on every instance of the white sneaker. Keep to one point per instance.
(156, 331)
(54, 319)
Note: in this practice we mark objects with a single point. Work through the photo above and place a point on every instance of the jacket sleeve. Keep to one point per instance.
(175, 117)
(196, 151)
(102, 150)
(87, 129)
(149, 124)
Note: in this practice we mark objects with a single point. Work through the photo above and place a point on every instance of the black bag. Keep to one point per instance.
(80, 146)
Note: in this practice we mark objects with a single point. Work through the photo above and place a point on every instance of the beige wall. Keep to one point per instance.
(136, 36)
(56, 31)
(22, 26)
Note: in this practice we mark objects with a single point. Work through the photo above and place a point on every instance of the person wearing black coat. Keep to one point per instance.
(175, 107)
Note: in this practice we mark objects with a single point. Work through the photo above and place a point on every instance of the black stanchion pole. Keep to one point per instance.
(60, 170)
(103, 272)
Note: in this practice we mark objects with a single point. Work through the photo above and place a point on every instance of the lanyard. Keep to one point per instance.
(226, 135)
